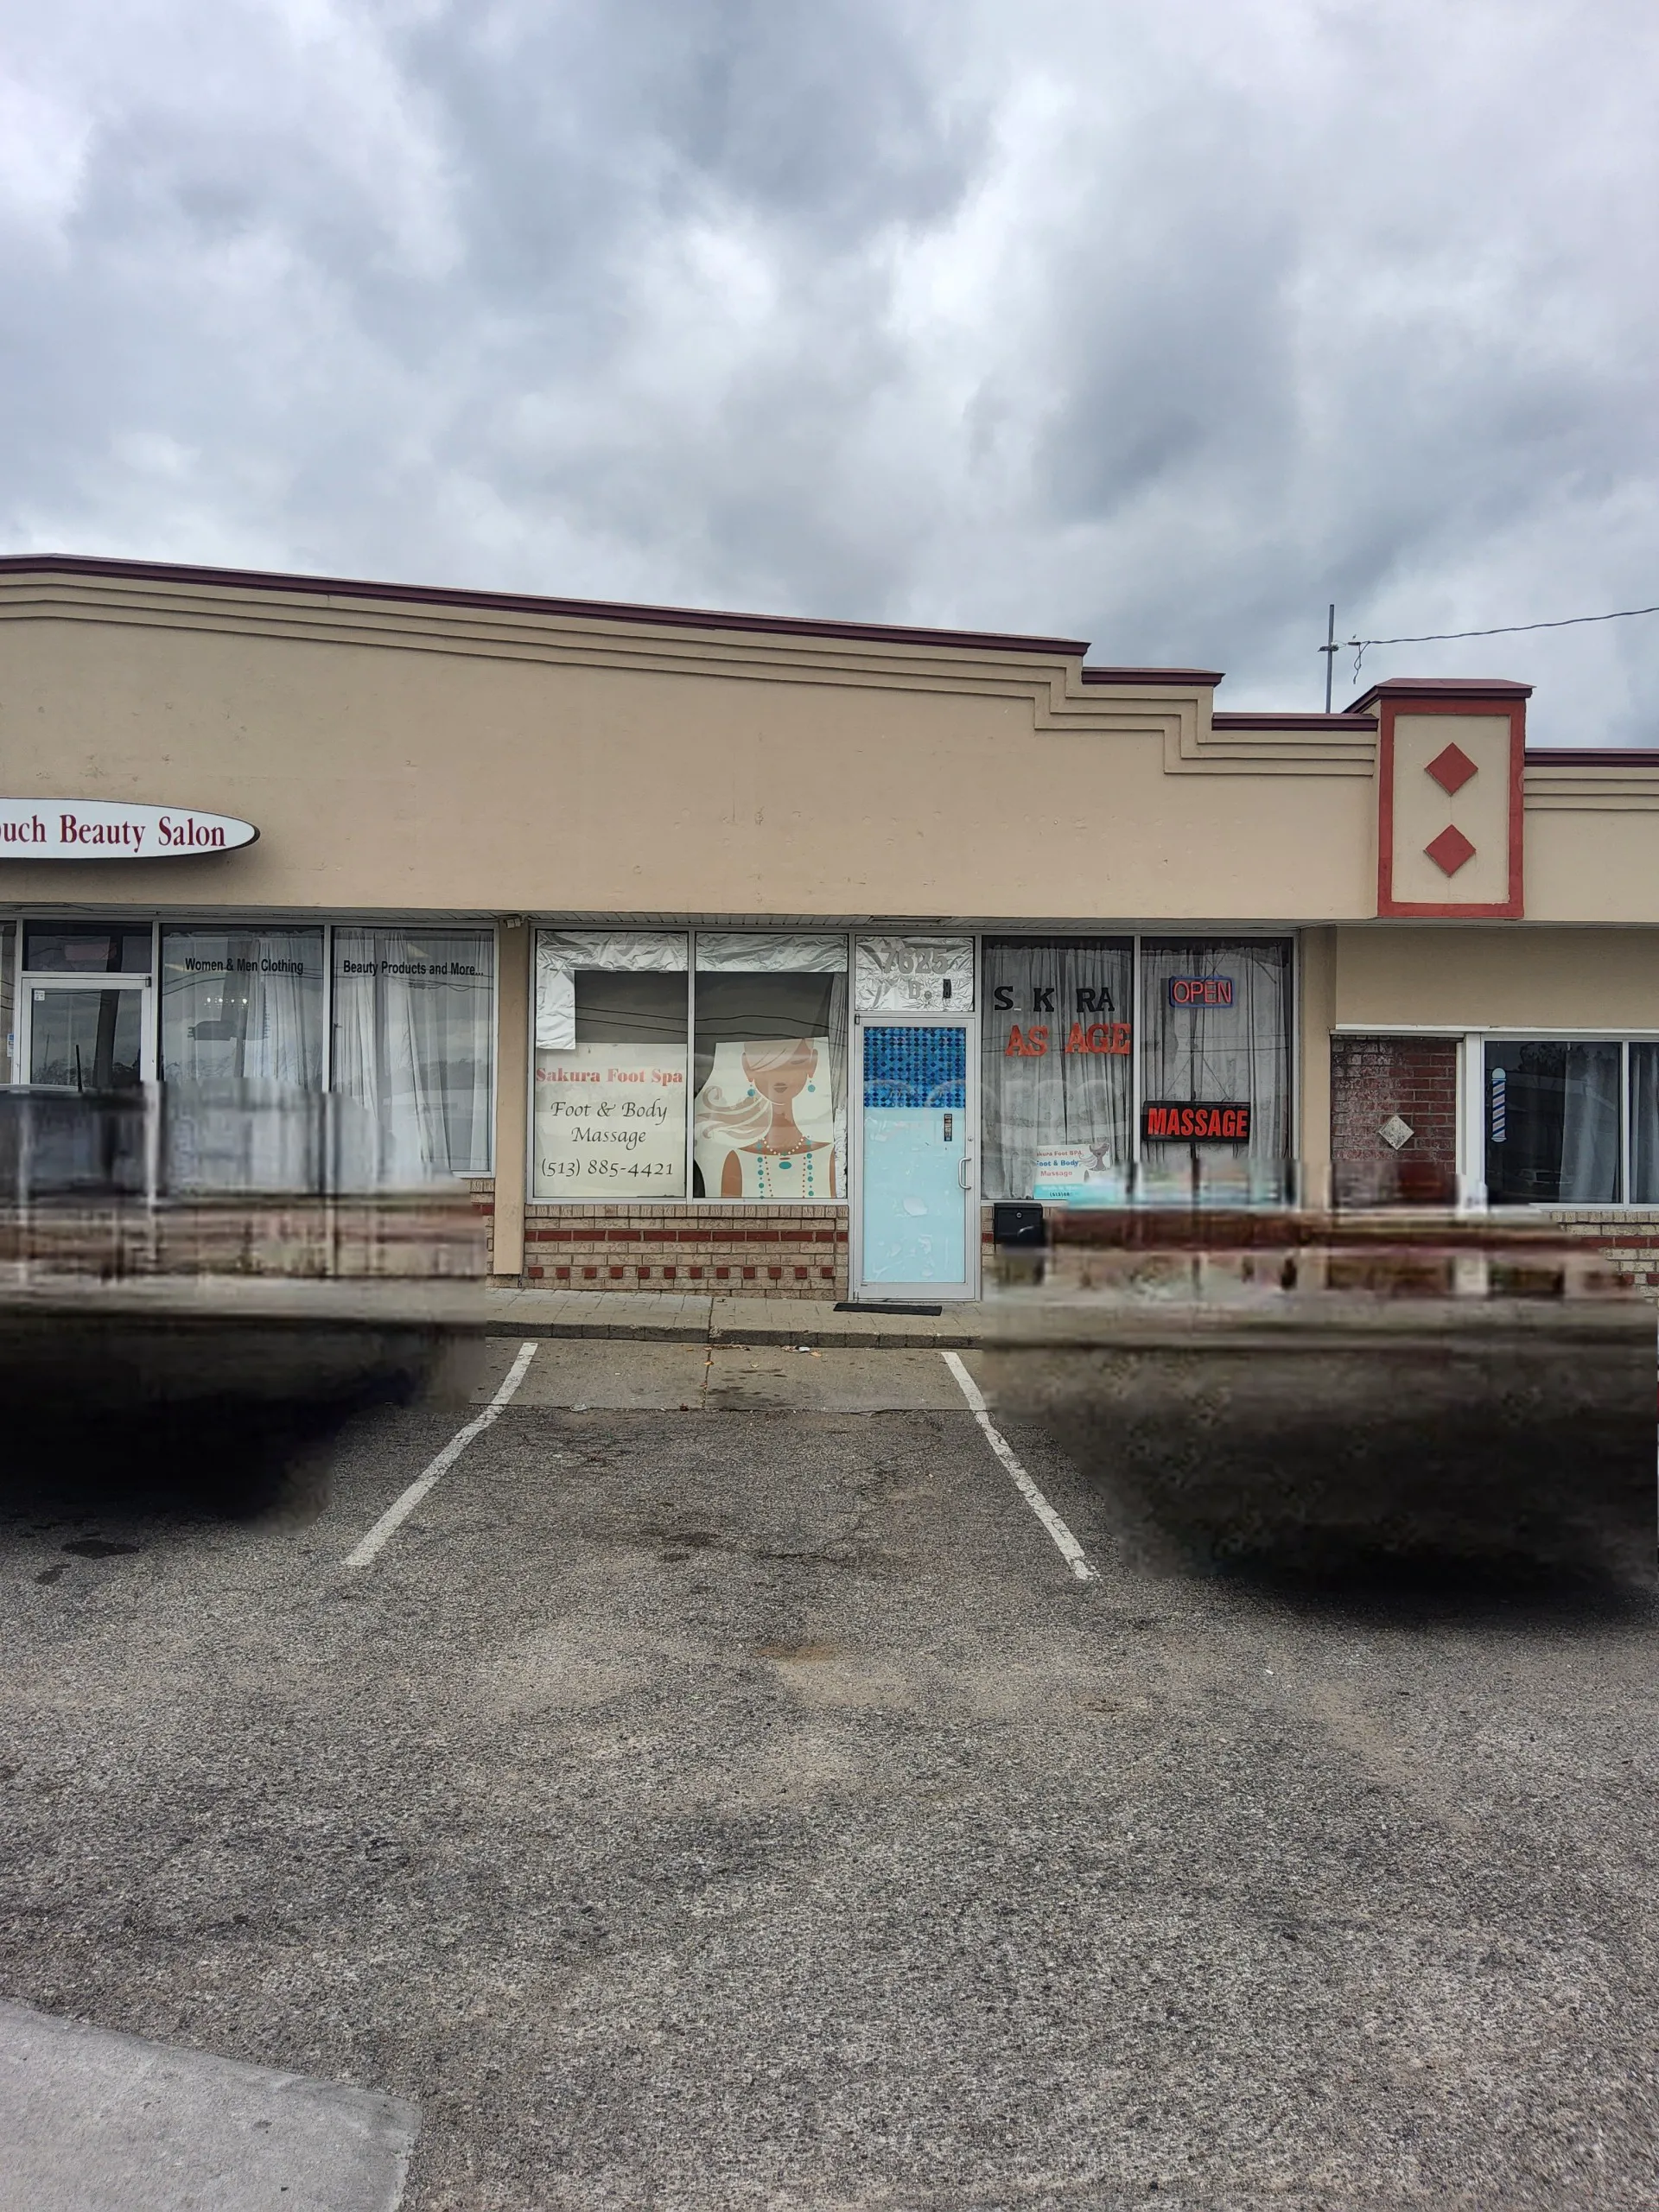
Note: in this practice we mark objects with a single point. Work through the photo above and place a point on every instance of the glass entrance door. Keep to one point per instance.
(84, 1037)
(917, 1203)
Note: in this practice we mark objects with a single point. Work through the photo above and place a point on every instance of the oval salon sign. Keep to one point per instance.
(105, 829)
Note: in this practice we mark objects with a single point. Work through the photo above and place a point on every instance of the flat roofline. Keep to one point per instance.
(1259, 721)
(681, 617)
(1402, 686)
(1184, 677)
(1586, 756)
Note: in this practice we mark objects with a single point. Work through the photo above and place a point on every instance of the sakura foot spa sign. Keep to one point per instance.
(1079, 1175)
(107, 829)
(610, 1121)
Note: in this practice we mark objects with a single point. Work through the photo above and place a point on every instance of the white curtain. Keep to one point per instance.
(413, 1034)
(1035, 1101)
(1233, 1054)
(1644, 1125)
(1590, 1125)
(241, 1058)
(242, 1006)
(1560, 1131)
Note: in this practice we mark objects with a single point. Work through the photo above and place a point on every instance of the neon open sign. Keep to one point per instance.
(1200, 990)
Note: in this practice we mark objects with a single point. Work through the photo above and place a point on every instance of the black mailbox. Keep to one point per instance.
(1018, 1226)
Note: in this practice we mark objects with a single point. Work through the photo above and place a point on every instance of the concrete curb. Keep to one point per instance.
(1195, 1331)
(177, 1314)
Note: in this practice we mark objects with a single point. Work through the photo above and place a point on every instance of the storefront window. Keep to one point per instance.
(241, 1053)
(1552, 1122)
(87, 948)
(242, 1006)
(1056, 1044)
(610, 1064)
(8, 1002)
(1644, 1125)
(413, 1032)
(769, 1077)
(1215, 1070)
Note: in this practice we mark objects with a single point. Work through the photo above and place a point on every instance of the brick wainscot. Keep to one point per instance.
(770, 1251)
(1626, 1237)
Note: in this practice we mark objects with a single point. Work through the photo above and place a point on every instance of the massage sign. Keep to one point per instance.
(1087, 1031)
(1080, 1028)
(1196, 1120)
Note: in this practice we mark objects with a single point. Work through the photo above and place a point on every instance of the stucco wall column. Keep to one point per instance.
(1318, 1018)
(511, 1092)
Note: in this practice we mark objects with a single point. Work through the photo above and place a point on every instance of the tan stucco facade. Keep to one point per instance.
(1522, 977)
(434, 754)
(410, 758)
(422, 754)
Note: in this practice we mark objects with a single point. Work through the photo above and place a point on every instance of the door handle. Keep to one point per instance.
(964, 1173)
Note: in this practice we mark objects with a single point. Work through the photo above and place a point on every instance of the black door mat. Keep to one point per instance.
(853, 1306)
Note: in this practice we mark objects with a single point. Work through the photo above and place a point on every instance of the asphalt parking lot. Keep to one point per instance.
(719, 1790)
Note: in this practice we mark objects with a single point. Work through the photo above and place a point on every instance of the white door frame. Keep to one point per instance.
(926, 1293)
(30, 986)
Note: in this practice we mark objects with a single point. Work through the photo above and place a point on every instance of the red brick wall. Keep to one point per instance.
(1371, 1079)
(748, 1251)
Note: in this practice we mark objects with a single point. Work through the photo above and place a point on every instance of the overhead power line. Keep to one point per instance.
(1363, 645)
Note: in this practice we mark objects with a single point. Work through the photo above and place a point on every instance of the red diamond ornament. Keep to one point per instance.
(1450, 849)
(1452, 770)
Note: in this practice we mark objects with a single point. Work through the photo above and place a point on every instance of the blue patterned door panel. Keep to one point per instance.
(915, 1209)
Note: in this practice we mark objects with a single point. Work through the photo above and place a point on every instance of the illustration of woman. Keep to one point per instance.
(752, 1146)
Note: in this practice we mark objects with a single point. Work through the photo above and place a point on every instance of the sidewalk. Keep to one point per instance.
(1036, 1318)
(195, 1309)
(664, 1317)
(91, 2118)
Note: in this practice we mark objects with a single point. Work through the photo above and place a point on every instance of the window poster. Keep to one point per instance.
(764, 1124)
(1059, 1070)
(1079, 1175)
(610, 1121)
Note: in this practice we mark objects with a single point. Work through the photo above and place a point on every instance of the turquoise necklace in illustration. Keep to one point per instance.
(785, 1174)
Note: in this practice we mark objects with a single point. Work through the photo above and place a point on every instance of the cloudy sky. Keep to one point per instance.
(1157, 322)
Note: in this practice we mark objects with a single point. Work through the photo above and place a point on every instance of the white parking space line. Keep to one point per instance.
(1069, 1548)
(398, 1512)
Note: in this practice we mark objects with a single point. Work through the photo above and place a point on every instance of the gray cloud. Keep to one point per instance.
(1159, 326)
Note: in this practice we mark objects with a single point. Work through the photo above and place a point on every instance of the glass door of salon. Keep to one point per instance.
(86, 1004)
(915, 1196)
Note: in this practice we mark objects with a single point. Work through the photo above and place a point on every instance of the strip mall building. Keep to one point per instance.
(718, 950)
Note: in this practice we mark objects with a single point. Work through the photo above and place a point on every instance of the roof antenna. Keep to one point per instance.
(1329, 648)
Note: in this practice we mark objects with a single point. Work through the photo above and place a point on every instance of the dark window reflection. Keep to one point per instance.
(87, 948)
(1551, 1123)
(1644, 1124)
(87, 1040)
(617, 1007)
